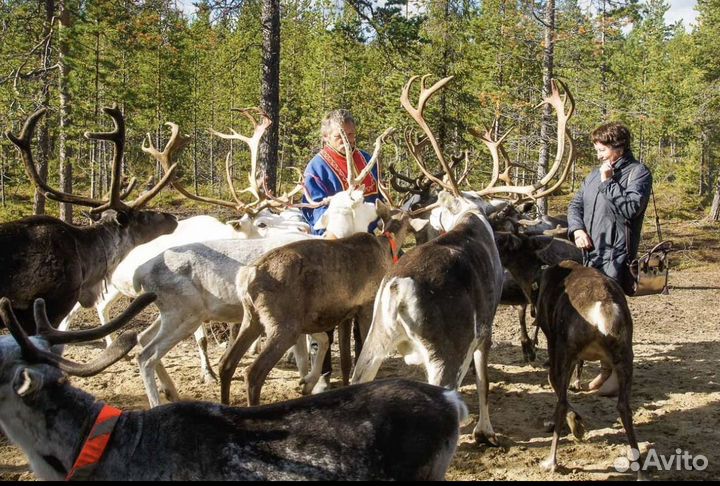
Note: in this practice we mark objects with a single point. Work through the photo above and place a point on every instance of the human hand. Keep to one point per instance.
(583, 240)
(606, 171)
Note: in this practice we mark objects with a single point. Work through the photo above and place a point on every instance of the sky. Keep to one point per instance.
(682, 9)
(679, 9)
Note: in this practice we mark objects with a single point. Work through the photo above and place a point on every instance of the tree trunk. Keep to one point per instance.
(42, 163)
(701, 185)
(603, 60)
(270, 89)
(195, 118)
(548, 65)
(2, 176)
(715, 209)
(64, 151)
(95, 153)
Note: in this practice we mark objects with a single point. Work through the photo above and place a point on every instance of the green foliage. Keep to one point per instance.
(619, 58)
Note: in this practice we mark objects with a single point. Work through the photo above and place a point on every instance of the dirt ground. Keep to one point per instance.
(676, 396)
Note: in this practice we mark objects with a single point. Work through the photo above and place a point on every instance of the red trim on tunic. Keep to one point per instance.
(338, 164)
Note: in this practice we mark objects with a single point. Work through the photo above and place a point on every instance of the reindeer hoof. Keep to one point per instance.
(576, 425)
(209, 379)
(549, 465)
(528, 349)
(487, 439)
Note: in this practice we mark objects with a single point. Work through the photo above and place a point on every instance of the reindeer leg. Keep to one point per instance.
(624, 373)
(483, 432)
(248, 333)
(206, 372)
(383, 335)
(311, 379)
(279, 340)
(327, 362)
(155, 346)
(560, 372)
(300, 354)
(528, 346)
(344, 331)
(576, 384)
(103, 309)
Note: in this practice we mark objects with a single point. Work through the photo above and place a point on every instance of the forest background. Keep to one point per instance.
(620, 59)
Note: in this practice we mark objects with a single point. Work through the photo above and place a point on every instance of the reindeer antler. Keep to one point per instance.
(564, 107)
(417, 114)
(116, 136)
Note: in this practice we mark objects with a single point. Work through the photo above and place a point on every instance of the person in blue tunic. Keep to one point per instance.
(326, 173)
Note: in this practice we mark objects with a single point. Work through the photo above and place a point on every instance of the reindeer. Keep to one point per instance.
(308, 287)
(389, 430)
(196, 283)
(191, 230)
(437, 306)
(584, 316)
(41, 256)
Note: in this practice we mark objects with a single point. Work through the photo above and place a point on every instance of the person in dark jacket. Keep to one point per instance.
(605, 217)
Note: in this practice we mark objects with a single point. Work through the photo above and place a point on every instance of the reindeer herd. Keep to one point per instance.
(434, 305)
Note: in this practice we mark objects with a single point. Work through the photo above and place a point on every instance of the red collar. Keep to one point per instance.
(95, 444)
(393, 246)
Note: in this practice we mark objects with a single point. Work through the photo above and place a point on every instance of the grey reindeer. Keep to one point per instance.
(387, 430)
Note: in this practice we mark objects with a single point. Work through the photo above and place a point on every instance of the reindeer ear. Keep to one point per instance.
(27, 381)
(122, 218)
(418, 224)
(383, 210)
(322, 222)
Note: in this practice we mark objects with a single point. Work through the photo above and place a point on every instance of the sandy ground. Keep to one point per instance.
(676, 396)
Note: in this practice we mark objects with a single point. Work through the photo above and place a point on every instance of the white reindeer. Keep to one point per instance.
(196, 282)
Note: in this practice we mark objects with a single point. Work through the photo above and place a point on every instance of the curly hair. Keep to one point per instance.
(614, 134)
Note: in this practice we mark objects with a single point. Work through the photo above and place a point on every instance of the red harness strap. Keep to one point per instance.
(393, 246)
(95, 444)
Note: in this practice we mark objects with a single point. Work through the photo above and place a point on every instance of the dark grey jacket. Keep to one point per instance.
(612, 213)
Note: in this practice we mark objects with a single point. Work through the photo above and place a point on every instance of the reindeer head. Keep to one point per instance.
(347, 214)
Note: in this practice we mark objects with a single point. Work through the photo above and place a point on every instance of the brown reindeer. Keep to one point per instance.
(437, 306)
(42, 256)
(308, 287)
(584, 316)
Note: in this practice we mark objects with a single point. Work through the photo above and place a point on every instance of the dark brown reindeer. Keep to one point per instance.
(44, 257)
(512, 217)
(386, 430)
(584, 316)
